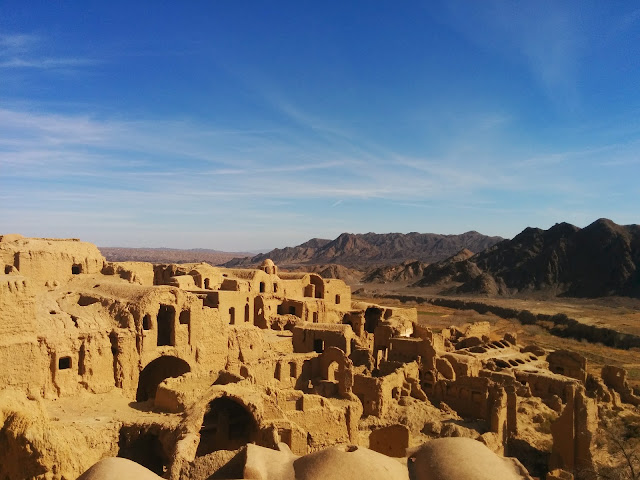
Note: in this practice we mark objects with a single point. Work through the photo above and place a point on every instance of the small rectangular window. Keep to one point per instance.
(64, 363)
(146, 322)
(337, 299)
(318, 345)
(275, 287)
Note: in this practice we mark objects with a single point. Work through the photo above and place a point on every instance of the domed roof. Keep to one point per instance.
(112, 468)
(268, 263)
(349, 461)
(458, 457)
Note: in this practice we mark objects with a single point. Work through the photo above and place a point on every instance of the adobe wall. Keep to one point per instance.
(91, 340)
(392, 440)
(312, 337)
(569, 364)
(545, 384)
(51, 260)
(574, 434)
(135, 272)
(376, 394)
(616, 379)
(408, 349)
(468, 396)
(22, 358)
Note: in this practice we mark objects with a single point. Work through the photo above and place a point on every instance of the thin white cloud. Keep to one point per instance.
(154, 170)
(46, 63)
(26, 51)
(548, 38)
(17, 42)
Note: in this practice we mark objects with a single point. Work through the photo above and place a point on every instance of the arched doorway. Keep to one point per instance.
(227, 425)
(153, 374)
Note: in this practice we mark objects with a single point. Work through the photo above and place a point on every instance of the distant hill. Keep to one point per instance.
(407, 271)
(362, 251)
(168, 255)
(599, 260)
(349, 275)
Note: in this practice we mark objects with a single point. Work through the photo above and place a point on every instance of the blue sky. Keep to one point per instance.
(252, 125)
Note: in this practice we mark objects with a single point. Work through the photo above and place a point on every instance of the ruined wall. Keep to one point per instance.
(616, 379)
(312, 337)
(135, 272)
(574, 434)
(376, 394)
(545, 384)
(22, 359)
(569, 364)
(51, 261)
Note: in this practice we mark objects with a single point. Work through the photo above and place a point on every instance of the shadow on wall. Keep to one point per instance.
(156, 372)
(227, 425)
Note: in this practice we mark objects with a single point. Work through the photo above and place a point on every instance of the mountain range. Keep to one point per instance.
(601, 259)
(363, 251)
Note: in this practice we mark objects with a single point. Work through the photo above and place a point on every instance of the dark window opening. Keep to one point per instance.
(7, 269)
(81, 360)
(246, 313)
(293, 369)
(232, 316)
(275, 287)
(315, 317)
(206, 283)
(166, 316)
(142, 447)
(318, 345)
(76, 269)
(146, 322)
(185, 317)
(337, 299)
(262, 287)
(227, 425)
(372, 317)
(64, 363)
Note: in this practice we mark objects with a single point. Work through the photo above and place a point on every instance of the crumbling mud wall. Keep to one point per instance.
(562, 325)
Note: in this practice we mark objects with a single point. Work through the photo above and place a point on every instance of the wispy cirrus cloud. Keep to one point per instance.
(548, 38)
(27, 51)
(141, 169)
